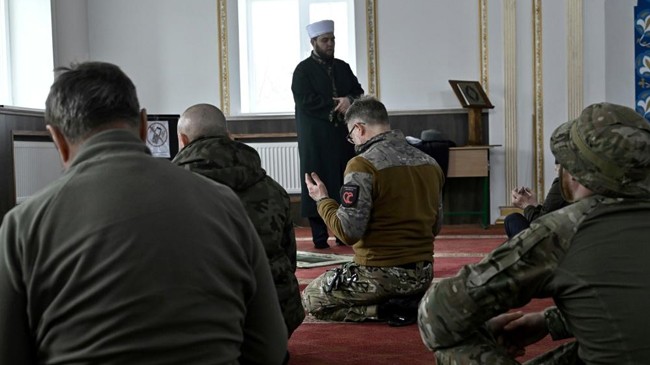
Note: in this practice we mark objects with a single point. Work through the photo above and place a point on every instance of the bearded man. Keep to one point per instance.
(323, 89)
(591, 257)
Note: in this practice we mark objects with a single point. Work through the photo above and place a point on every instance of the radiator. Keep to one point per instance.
(36, 164)
(281, 162)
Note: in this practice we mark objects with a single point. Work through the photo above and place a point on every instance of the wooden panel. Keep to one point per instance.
(13, 119)
(26, 122)
(452, 123)
(468, 162)
(265, 136)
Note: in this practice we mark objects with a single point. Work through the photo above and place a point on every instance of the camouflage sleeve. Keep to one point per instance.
(557, 326)
(349, 220)
(509, 277)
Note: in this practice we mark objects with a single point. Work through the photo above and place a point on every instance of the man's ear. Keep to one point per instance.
(143, 125)
(362, 129)
(61, 143)
(183, 139)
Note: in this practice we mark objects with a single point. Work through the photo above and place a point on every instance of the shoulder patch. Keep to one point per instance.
(349, 195)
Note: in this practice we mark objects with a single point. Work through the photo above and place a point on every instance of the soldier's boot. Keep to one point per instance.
(400, 311)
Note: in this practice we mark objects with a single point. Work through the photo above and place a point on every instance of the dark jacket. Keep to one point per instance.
(238, 166)
(321, 136)
(127, 259)
(552, 202)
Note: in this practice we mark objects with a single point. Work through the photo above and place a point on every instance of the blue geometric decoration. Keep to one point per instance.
(642, 57)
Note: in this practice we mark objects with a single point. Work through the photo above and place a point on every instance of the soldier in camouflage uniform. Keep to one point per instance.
(207, 149)
(390, 212)
(591, 257)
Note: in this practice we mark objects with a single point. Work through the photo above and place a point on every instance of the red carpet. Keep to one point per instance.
(357, 343)
(323, 343)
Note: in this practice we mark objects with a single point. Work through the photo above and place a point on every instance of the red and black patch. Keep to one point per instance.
(349, 195)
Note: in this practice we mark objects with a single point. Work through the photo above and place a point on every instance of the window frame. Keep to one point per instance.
(228, 45)
(5, 56)
(28, 53)
(264, 83)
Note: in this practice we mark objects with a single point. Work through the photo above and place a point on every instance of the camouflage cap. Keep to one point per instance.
(607, 149)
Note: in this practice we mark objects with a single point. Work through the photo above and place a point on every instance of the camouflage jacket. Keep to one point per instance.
(267, 203)
(390, 203)
(591, 257)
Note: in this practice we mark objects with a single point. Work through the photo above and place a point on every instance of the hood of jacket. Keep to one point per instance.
(223, 160)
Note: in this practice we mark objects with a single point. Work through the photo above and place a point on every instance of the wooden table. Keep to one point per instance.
(472, 161)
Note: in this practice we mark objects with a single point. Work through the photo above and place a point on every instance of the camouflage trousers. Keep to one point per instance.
(351, 292)
(483, 349)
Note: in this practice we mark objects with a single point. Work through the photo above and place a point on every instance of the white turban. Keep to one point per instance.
(319, 28)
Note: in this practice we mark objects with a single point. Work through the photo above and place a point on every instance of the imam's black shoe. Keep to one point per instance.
(321, 245)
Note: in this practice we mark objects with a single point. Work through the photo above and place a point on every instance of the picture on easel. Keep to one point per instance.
(471, 94)
(472, 97)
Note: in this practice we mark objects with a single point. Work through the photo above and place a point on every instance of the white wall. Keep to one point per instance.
(70, 32)
(619, 52)
(555, 76)
(170, 49)
(524, 94)
(438, 38)
(496, 87)
(595, 85)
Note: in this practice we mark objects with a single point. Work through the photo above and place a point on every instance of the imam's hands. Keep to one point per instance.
(342, 105)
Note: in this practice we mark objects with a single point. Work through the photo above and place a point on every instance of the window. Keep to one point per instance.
(5, 75)
(273, 40)
(26, 58)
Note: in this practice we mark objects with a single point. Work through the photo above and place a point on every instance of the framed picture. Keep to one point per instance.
(471, 94)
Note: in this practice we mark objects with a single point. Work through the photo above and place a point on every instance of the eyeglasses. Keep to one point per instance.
(349, 136)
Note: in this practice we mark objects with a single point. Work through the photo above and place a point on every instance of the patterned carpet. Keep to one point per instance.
(322, 343)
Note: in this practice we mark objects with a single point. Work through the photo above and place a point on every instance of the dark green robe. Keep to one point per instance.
(321, 142)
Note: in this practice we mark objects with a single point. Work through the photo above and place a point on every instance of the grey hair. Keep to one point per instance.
(202, 120)
(369, 110)
(89, 96)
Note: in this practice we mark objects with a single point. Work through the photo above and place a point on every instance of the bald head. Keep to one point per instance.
(201, 120)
